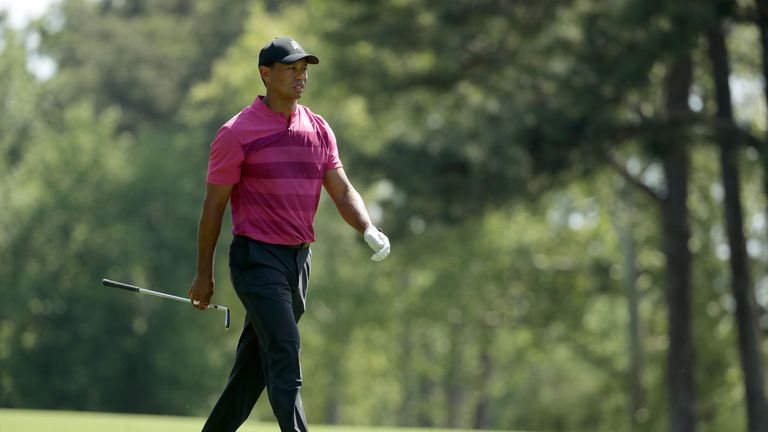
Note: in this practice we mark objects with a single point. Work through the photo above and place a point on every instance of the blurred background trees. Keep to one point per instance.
(574, 191)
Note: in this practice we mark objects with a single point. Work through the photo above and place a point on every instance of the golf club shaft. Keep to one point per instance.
(128, 287)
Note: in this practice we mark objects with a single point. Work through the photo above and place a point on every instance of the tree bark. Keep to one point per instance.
(623, 222)
(333, 403)
(675, 160)
(407, 415)
(482, 412)
(744, 295)
(425, 414)
(454, 385)
(762, 24)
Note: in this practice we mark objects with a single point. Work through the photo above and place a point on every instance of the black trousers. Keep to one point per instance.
(272, 283)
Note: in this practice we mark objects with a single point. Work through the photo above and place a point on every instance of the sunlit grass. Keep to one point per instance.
(69, 421)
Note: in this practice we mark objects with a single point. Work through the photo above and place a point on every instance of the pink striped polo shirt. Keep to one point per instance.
(276, 167)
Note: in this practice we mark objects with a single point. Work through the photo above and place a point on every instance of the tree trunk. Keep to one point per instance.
(333, 403)
(425, 416)
(762, 24)
(675, 161)
(482, 414)
(408, 399)
(454, 384)
(746, 322)
(624, 221)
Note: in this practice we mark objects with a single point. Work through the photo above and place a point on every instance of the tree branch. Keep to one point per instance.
(621, 167)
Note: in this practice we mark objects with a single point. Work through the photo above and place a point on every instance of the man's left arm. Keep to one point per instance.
(352, 208)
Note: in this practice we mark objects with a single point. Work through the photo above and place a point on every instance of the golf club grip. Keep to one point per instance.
(113, 284)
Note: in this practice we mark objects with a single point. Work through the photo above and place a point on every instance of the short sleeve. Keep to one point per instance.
(333, 160)
(226, 158)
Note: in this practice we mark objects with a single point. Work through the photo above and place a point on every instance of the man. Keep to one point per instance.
(271, 160)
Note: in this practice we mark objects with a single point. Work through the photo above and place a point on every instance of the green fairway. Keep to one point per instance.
(68, 421)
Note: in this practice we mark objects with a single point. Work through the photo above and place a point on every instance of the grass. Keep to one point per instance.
(13, 420)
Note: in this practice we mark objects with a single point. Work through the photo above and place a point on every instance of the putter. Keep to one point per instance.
(125, 286)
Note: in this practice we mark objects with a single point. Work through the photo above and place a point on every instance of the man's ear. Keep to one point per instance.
(264, 71)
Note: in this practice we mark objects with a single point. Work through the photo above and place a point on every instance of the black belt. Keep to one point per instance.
(288, 246)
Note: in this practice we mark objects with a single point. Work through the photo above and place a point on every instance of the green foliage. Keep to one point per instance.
(18, 95)
(156, 51)
(56, 243)
(477, 133)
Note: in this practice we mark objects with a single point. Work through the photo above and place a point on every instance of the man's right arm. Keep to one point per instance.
(209, 228)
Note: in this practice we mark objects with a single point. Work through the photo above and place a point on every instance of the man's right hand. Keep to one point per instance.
(201, 292)
(216, 198)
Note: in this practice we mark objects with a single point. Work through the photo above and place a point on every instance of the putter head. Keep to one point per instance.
(226, 318)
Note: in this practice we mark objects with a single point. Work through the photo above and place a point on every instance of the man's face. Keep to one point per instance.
(286, 80)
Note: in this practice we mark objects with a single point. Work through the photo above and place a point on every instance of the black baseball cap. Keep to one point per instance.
(284, 50)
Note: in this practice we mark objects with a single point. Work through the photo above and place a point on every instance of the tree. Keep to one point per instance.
(486, 137)
(749, 335)
(675, 160)
(572, 109)
(140, 55)
(762, 25)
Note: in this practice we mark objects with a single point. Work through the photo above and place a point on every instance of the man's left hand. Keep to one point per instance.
(378, 242)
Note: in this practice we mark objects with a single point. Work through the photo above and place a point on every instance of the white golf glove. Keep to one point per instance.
(377, 241)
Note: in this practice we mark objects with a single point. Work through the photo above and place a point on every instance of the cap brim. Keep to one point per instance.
(311, 59)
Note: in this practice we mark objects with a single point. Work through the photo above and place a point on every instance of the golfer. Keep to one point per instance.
(270, 161)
